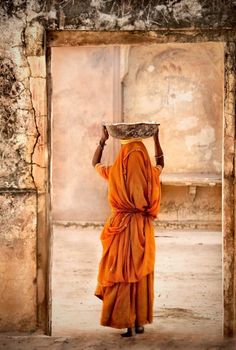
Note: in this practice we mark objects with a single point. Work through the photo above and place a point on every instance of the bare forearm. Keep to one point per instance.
(98, 153)
(159, 156)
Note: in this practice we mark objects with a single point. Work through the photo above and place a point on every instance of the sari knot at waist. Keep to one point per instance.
(126, 215)
(130, 211)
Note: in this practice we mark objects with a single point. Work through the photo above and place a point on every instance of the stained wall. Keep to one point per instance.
(181, 86)
(178, 85)
(23, 144)
(82, 97)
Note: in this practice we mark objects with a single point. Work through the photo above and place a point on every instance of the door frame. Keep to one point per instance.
(96, 38)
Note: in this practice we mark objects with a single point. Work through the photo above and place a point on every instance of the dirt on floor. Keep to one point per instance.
(188, 282)
(188, 296)
(152, 340)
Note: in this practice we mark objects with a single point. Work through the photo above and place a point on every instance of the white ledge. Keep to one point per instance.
(191, 179)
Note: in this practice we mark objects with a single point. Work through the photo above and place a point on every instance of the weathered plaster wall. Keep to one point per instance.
(82, 97)
(18, 273)
(23, 126)
(229, 242)
(143, 14)
(22, 172)
(177, 208)
(179, 85)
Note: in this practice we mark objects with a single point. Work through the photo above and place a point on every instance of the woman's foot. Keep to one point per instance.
(127, 334)
(139, 329)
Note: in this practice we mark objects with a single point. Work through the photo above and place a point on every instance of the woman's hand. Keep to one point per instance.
(158, 151)
(105, 135)
(98, 152)
(156, 135)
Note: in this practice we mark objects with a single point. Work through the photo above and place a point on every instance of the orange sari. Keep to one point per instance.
(126, 269)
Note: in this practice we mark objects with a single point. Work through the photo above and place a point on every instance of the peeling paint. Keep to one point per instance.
(187, 123)
(184, 96)
(202, 139)
(208, 154)
(143, 15)
(217, 166)
(150, 68)
(18, 261)
(185, 10)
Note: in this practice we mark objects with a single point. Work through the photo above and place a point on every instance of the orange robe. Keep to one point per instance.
(126, 269)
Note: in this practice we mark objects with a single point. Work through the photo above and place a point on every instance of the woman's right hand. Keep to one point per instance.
(105, 135)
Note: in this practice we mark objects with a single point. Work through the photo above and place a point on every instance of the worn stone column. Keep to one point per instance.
(229, 192)
(36, 57)
(18, 193)
(23, 173)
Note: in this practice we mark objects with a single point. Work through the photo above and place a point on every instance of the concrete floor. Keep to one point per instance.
(161, 340)
(188, 300)
(188, 282)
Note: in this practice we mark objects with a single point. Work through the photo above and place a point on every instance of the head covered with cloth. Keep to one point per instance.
(126, 269)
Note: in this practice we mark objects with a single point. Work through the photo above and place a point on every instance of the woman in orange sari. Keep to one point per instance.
(126, 270)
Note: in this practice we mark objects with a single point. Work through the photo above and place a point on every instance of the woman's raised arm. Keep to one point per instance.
(98, 152)
(159, 156)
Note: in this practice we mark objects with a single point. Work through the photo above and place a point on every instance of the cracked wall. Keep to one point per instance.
(142, 14)
(22, 172)
(23, 128)
(18, 262)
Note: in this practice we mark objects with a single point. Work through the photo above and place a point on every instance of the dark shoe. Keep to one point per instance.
(139, 329)
(127, 334)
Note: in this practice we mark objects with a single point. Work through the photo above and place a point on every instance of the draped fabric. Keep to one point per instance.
(125, 275)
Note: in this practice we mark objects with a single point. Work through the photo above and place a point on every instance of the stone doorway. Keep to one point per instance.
(78, 38)
(103, 75)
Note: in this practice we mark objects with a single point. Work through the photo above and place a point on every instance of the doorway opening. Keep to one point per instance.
(181, 86)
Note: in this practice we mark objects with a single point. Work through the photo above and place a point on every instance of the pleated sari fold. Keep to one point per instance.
(126, 270)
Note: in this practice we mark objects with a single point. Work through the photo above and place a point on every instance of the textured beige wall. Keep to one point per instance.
(82, 97)
(18, 262)
(180, 85)
(204, 211)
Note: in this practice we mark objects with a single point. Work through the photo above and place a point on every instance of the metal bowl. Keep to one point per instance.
(124, 131)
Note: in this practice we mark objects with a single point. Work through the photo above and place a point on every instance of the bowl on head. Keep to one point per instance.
(126, 131)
